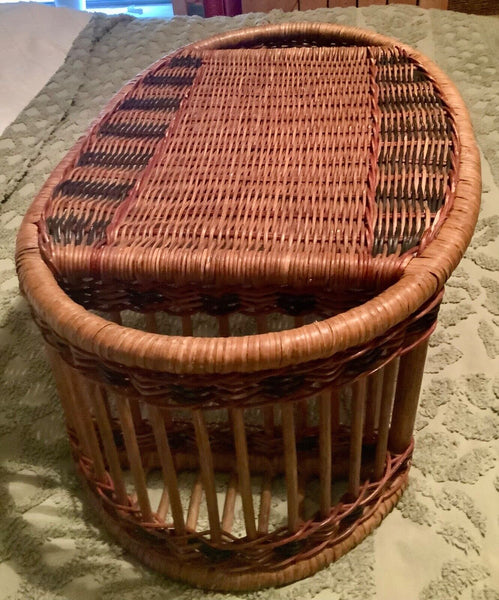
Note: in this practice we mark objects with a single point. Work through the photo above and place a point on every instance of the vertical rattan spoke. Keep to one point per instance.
(168, 467)
(207, 472)
(373, 399)
(99, 403)
(290, 465)
(187, 325)
(358, 405)
(325, 451)
(265, 503)
(115, 317)
(223, 326)
(335, 410)
(301, 405)
(409, 380)
(151, 322)
(136, 413)
(107, 404)
(268, 410)
(87, 422)
(243, 471)
(389, 383)
(194, 504)
(163, 505)
(133, 452)
(229, 504)
(82, 417)
(60, 376)
(72, 406)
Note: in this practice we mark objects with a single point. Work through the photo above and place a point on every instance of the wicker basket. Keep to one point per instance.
(236, 272)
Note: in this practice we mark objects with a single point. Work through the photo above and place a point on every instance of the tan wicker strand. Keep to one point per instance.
(136, 413)
(229, 504)
(410, 376)
(268, 411)
(58, 371)
(84, 388)
(194, 504)
(325, 456)
(207, 473)
(373, 399)
(133, 451)
(288, 432)
(163, 505)
(265, 503)
(358, 410)
(243, 469)
(168, 467)
(85, 433)
(388, 391)
(106, 433)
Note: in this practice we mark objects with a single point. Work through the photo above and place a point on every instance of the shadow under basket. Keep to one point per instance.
(236, 273)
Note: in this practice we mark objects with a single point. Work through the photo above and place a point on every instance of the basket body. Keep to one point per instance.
(236, 272)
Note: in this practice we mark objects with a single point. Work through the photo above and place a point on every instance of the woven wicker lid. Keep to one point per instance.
(330, 164)
(295, 154)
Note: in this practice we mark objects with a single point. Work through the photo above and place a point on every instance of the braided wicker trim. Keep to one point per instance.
(255, 388)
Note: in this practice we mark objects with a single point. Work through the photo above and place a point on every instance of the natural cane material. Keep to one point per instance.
(303, 191)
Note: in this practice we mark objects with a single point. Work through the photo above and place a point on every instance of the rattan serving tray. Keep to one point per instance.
(236, 271)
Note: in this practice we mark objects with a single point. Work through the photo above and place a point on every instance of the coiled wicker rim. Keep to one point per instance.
(423, 276)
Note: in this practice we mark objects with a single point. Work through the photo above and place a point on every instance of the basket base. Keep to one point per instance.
(219, 579)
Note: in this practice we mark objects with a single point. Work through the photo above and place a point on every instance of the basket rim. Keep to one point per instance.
(423, 276)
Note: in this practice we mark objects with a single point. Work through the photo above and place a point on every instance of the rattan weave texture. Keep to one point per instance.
(261, 159)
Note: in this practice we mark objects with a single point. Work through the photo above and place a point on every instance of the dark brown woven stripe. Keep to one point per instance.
(150, 104)
(396, 239)
(70, 229)
(387, 76)
(410, 195)
(125, 140)
(411, 110)
(173, 80)
(186, 62)
(191, 299)
(393, 129)
(108, 159)
(93, 189)
(406, 94)
(136, 130)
